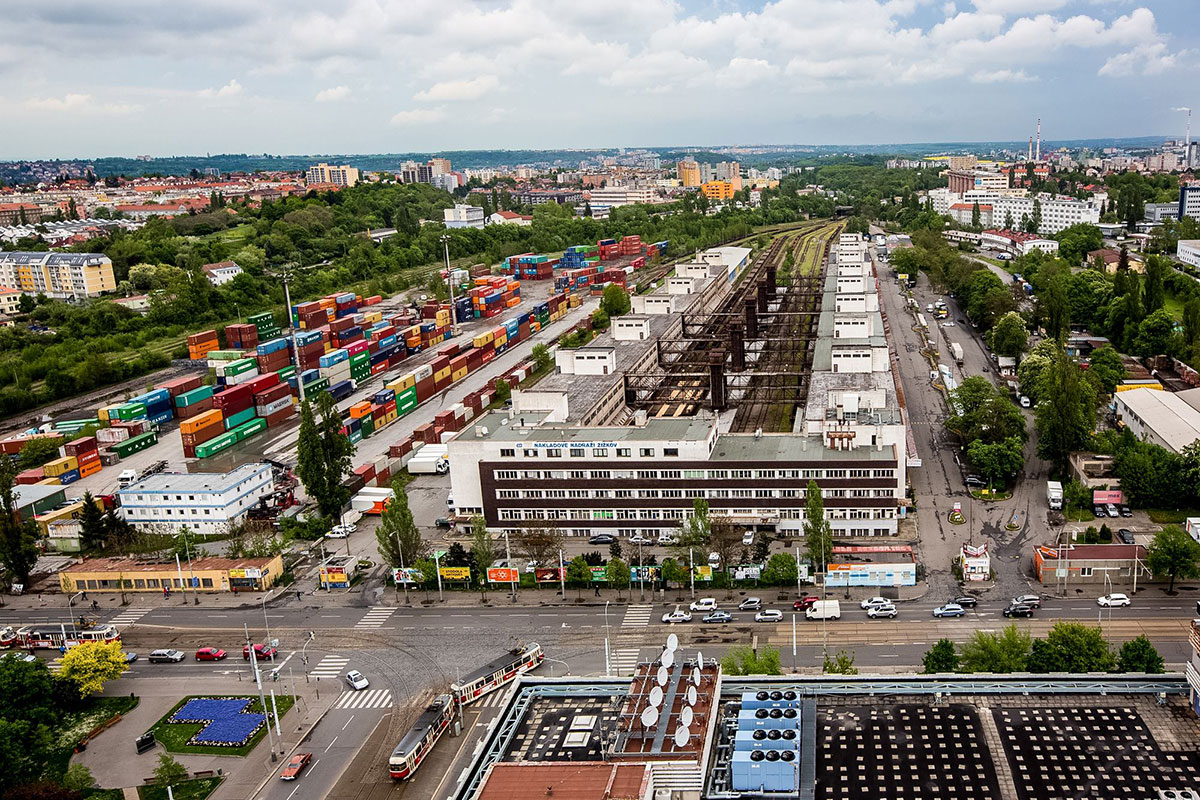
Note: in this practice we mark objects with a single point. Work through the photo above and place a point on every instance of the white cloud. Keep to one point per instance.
(418, 116)
(332, 95)
(1002, 76)
(1010, 7)
(231, 89)
(1146, 59)
(471, 89)
(78, 103)
(746, 71)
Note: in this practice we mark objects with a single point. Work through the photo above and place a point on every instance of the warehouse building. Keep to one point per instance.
(205, 502)
(1162, 418)
(202, 574)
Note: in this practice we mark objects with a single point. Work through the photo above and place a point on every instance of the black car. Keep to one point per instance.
(974, 482)
(1099, 512)
(966, 601)
(1126, 536)
(1125, 510)
(1019, 611)
(602, 538)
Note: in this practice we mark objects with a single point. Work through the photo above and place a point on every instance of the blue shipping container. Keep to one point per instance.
(272, 346)
(69, 476)
(333, 357)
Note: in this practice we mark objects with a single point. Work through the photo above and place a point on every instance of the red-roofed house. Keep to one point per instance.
(963, 213)
(509, 218)
(1017, 243)
(19, 213)
(221, 272)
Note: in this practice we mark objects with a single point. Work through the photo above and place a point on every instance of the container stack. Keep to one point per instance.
(309, 316)
(232, 373)
(241, 337)
(86, 451)
(135, 444)
(310, 346)
(201, 344)
(631, 246)
(345, 304)
(65, 469)
(178, 386)
(335, 367)
(609, 249)
(265, 324)
(197, 401)
(273, 355)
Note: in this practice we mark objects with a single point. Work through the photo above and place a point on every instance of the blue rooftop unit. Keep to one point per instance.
(768, 718)
(762, 739)
(765, 770)
(773, 699)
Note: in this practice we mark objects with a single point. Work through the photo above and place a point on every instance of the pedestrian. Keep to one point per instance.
(85, 595)
(597, 591)
(297, 595)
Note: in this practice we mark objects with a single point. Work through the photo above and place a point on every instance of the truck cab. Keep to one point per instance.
(127, 478)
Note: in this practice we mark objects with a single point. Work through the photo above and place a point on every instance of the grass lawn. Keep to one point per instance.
(1173, 305)
(75, 725)
(196, 789)
(1080, 514)
(1171, 516)
(175, 735)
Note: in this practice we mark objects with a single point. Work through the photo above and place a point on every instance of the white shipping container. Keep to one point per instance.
(111, 435)
(273, 407)
(246, 376)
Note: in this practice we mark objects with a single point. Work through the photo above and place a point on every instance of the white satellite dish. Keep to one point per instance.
(691, 695)
(672, 642)
(668, 658)
(699, 659)
(662, 676)
(696, 675)
(685, 716)
(656, 696)
(649, 717)
(682, 735)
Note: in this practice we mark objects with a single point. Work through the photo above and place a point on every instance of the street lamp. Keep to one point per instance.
(71, 607)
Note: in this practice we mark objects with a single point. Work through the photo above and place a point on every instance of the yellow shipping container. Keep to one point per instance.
(373, 317)
(483, 338)
(50, 482)
(60, 465)
(459, 374)
(500, 339)
(576, 300)
(441, 374)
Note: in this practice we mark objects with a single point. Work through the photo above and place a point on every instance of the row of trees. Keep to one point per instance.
(1069, 647)
(991, 426)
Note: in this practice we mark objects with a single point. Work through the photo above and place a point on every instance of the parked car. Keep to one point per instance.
(805, 603)
(1025, 401)
(1018, 610)
(874, 601)
(356, 680)
(1098, 511)
(1125, 510)
(1126, 536)
(667, 538)
(1031, 600)
(295, 766)
(750, 604)
(966, 601)
(637, 538)
(443, 523)
(769, 615)
(340, 532)
(210, 654)
(885, 610)
(704, 604)
(718, 617)
(602, 538)
(824, 609)
(949, 610)
(166, 656)
(678, 615)
(1112, 510)
(714, 560)
(974, 482)
(261, 652)
(1115, 600)
(748, 538)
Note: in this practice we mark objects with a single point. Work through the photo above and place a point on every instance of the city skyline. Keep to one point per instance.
(220, 77)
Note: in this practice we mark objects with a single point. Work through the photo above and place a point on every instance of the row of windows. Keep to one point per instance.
(582, 452)
(680, 514)
(693, 474)
(141, 583)
(677, 494)
(652, 533)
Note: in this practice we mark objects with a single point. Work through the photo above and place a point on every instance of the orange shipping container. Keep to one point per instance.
(91, 468)
(193, 424)
(360, 410)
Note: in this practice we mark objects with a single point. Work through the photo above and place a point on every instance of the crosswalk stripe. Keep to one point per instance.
(130, 616)
(637, 616)
(55, 665)
(375, 617)
(329, 667)
(371, 698)
(624, 660)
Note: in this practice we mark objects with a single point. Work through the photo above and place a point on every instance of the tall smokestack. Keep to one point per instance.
(1030, 156)
(1039, 140)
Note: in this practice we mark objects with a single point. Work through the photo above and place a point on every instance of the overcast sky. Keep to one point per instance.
(124, 77)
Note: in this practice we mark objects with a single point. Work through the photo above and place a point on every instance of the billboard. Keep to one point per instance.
(1102, 497)
(599, 574)
(648, 574)
(503, 575)
(407, 575)
(547, 574)
(249, 572)
(703, 573)
(455, 573)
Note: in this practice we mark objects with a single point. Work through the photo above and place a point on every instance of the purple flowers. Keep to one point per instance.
(228, 722)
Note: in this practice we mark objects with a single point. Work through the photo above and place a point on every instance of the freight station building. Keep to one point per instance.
(718, 386)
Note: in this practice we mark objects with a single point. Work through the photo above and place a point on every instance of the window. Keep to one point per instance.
(624, 452)
(623, 494)
(601, 475)
(742, 473)
(579, 474)
(578, 452)
(508, 494)
(1085, 572)
(206, 583)
(671, 452)
(671, 474)
(530, 453)
(554, 454)
(860, 473)
(646, 452)
(599, 452)
(506, 474)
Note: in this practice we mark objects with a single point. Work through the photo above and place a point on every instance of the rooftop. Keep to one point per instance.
(790, 447)
(195, 481)
(501, 428)
(564, 781)
(1172, 419)
(128, 565)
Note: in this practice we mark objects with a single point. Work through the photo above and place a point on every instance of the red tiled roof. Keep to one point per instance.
(592, 780)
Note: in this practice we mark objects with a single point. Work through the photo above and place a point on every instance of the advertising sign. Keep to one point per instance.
(704, 573)
(249, 572)
(1102, 497)
(407, 575)
(547, 574)
(455, 573)
(599, 574)
(503, 575)
(747, 572)
(648, 574)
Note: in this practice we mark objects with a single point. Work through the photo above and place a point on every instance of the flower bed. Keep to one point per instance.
(226, 721)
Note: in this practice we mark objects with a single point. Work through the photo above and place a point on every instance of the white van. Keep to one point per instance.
(824, 609)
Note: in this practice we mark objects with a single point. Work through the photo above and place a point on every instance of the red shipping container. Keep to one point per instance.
(189, 451)
(262, 383)
(366, 471)
(203, 434)
(271, 394)
(180, 385)
(30, 476)
(280, 416)
(81, 445)
(195, 408)
(87, 457)
(426, 433)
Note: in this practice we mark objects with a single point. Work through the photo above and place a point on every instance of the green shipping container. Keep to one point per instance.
(368, 426)
(216, 445)
(239, 418)
(313, 387)
(406, 401)
(194, 396)
(225, 355)
(262, 319)
(268, 333)
(355, 437)
(256, 425)
(241, 366)
(130, 411)
(360, 358)
(135, 444)
(285, 373)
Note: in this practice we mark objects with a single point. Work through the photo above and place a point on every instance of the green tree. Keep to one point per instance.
(483, 548)
(1139, 655)
(1002, 652)
(1156, 335)
(996, 462)
(818, 533)
(92, 529)
(169, 771)
(26, 303)
(1076, 241)
(78, 778)
(1175, 554)
(1066, 412)
(1154, 290)
(1070, 647)
(579, 573)
(18, 539)
(780, 570)
(323, 456)
(1008, 221)
(38, 451)
(1106, 369)
(975, 215)
(1009, 335)
(694, 532)
(942, 657)
(90, 665)
(842, 663)
(398, 537)
(540, 542)
(615, 300)
(743, 660)
(542, 360)
(616, 574)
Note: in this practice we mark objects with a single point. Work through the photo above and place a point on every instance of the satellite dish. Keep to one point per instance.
(672, 642)
(691, 695)
(656, 696)
(699, 659)
(649, 717)
(686, 716)
(682, 734)
(668, 658)
(696, 675)
(662, 676)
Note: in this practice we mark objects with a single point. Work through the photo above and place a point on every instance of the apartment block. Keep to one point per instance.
(338, 176)
(65, 276)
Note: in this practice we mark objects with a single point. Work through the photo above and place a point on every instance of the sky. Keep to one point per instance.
(126, 77)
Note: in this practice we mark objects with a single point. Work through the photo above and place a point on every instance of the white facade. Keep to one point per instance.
(1188, 252)
(205, 502)
(222, 272)
(1017, 243)
(586, 361)
(326, 173)
(463, 216)
(1189, 201)
(1163, 418)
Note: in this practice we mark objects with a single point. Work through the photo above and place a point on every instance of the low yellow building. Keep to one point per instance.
(718, 190)
(209, 575)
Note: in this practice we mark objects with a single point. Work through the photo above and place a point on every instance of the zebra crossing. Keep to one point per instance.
(369, 698)
(623, 661)
(329, 667)
(493, 700)
(129, 616)
(637, 616)
(376, 617)
(54, 665)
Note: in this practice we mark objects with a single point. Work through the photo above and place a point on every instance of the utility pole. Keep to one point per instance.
(445, 239)
(692, 572)
(187, 548)
(512, 573)
(285, 275)
(262, 700)
(438, 564)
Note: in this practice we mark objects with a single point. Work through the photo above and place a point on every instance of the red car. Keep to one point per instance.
(261, 651)
(804, 603)
(295, 766)
(210, 654)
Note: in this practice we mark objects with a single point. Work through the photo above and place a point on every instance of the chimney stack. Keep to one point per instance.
(1039, 140)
